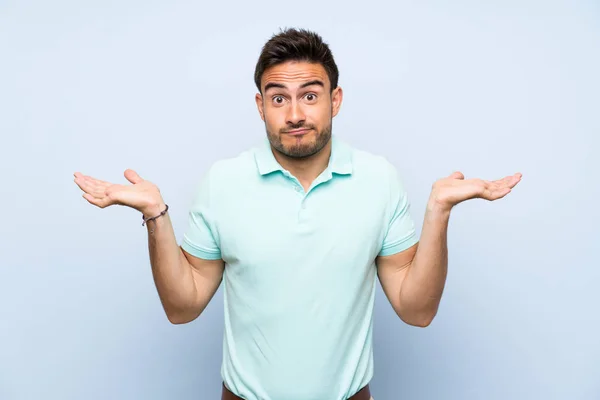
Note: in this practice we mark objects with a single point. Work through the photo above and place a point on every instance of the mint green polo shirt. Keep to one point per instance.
(300, 273)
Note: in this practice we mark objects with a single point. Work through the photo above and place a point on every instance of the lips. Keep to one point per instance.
(298, 131)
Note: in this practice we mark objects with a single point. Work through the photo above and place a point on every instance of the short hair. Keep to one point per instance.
(294, 44)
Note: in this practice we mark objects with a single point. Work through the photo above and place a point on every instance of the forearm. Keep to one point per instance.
(422, 288)
(171, 271)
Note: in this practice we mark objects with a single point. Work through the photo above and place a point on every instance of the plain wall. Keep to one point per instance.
(166, 88)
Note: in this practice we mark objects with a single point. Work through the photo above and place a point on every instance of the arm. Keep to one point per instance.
(414, 279)
(185, 283)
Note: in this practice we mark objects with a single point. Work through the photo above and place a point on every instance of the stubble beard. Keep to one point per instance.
(301, 150)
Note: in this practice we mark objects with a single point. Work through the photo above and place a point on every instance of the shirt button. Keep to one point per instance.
(298, 189)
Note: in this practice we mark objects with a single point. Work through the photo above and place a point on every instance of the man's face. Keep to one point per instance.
(298, 106)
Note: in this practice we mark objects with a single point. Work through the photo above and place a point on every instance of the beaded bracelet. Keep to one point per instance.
(145, 220)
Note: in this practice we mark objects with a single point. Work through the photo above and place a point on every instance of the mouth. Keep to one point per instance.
(296, 132)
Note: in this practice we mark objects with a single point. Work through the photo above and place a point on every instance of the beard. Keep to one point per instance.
(301, 150)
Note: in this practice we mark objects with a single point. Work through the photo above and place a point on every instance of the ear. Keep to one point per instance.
(336, 100)
(259, 105)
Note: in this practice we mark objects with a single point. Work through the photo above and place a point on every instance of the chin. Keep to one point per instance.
(301, 151)
(301, 146)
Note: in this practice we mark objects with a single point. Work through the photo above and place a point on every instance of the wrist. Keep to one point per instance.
(436, 208)
(153, 208)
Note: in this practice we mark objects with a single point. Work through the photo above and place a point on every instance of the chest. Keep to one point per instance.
(331, 229)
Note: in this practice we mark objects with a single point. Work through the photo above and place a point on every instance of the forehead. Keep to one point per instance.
(293, 73)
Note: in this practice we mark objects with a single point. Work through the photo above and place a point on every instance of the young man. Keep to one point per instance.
(298, 229)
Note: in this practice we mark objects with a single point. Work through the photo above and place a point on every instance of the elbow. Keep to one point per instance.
(419, 320)
(180, 317)
(420, 323)
(419, 314)
(178, 320)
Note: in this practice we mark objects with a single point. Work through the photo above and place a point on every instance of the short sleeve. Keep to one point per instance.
(400, 228)
(200, 239)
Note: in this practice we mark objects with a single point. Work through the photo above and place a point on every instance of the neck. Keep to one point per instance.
(306, 170)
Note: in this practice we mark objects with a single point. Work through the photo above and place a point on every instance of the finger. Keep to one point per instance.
(513, 183)
(96, 182)
(457, 175)
(95, 201)
(513, 177)
(500, 193)
(132, 176)
(517, 178)
(509, 181)
(89, 184)
(499, 186)
(96, 188)
(495, 193)
(84, 184)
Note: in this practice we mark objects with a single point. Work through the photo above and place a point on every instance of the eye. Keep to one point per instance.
(278, 100)
(311, 97)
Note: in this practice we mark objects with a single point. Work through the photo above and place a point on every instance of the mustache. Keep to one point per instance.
(301, 125)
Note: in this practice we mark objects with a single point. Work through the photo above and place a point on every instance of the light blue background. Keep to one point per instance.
(166, 88)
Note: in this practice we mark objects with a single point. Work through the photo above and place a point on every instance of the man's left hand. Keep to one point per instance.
(454, 189)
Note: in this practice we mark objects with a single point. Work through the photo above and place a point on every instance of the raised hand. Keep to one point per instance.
(142, 195)
(454, 189)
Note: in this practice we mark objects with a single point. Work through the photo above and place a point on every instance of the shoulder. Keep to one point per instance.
(377, 174)
(225, 170)
(227, 175)
(370, 165)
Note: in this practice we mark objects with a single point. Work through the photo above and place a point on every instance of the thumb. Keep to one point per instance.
(132, 176)
(457, 175)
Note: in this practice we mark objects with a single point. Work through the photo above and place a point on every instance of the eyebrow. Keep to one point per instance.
(271, 85)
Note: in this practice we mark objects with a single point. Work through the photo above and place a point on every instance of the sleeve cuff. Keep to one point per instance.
(400, 245)
(199, 252)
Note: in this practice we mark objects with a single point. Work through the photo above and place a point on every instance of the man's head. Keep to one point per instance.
(298, 97)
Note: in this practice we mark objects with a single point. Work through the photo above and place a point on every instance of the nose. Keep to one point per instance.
(295, 114)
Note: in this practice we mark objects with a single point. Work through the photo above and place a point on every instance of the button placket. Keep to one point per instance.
(302, 208)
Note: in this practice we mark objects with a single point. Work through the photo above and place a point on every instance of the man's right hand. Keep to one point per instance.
(143, 196)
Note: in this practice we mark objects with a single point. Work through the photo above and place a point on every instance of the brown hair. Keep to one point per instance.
(296, 45)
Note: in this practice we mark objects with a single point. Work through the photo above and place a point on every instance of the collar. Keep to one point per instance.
(340, 161)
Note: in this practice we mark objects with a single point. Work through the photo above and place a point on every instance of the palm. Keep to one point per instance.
(455, 188)
(102, 194)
